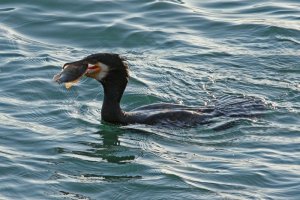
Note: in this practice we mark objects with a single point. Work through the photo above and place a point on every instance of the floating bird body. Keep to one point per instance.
(112, 72)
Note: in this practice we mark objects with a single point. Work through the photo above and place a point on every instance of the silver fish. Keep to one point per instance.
(70, 74)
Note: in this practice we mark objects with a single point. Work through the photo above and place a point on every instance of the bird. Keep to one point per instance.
(112, 72)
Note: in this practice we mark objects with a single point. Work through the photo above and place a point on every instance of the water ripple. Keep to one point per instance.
(201, 53)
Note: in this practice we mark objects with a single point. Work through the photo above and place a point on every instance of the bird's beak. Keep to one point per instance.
(70, 74)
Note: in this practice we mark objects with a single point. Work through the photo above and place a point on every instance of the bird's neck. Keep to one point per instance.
(111, 110)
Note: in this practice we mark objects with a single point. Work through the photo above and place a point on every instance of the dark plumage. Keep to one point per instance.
(112, 72)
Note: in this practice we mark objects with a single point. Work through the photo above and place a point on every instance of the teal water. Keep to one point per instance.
(53, 144)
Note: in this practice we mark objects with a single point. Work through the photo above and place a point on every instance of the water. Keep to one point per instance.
(53, 144)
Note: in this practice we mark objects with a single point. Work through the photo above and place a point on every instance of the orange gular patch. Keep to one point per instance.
(93, 71)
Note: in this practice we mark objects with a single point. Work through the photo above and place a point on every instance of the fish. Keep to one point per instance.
(70, 74)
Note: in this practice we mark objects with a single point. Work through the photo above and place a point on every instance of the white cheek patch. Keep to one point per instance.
(104, 71)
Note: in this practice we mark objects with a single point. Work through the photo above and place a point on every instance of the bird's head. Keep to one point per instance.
(104, 67)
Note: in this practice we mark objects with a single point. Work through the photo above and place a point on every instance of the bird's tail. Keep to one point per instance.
(233, 106)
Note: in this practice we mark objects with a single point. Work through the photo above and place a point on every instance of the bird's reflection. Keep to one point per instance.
(109, 147)
(109, 137)
(104, 147)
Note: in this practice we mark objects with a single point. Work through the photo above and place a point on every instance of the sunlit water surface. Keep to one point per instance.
(53, 144)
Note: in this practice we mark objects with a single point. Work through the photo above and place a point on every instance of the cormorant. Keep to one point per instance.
(111, 71)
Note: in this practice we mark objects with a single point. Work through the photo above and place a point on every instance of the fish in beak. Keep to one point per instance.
(72, 72)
